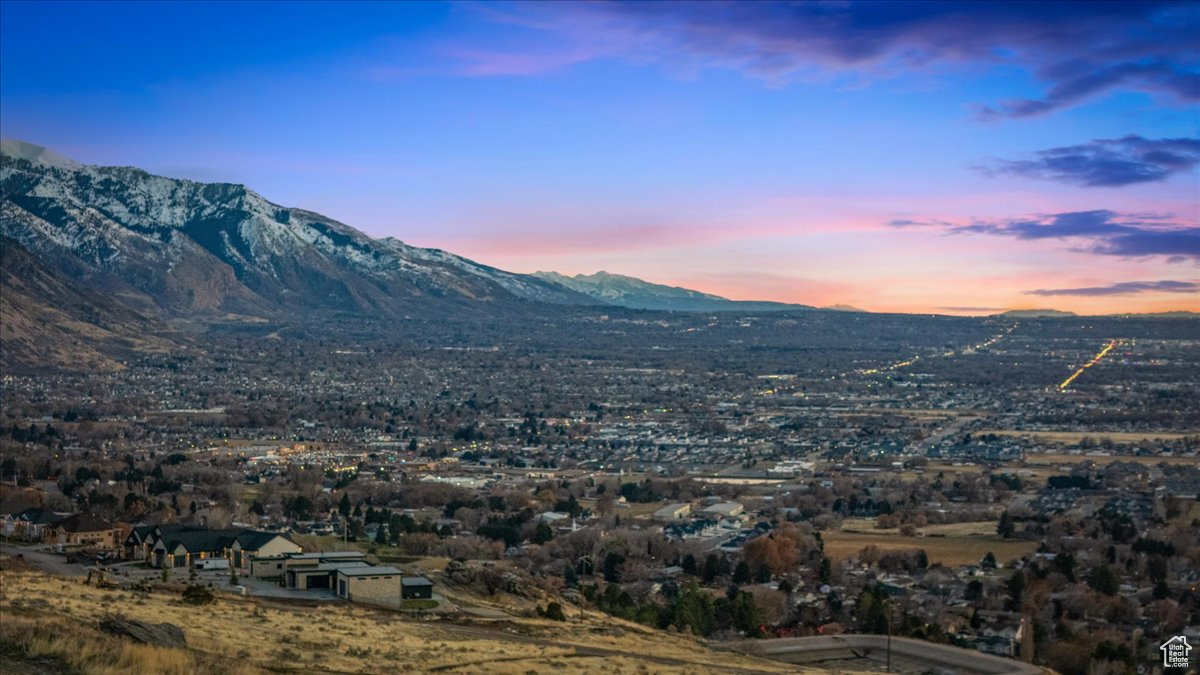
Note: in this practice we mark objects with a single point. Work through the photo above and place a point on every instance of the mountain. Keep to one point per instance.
(1035, 314)
(616, 289)
(51, 321)
(183, 248)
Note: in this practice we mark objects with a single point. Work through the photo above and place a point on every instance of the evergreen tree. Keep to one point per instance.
(741, 573)
(542, 534)
(1006, 528)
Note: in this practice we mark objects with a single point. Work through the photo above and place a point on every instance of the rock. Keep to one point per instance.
(158, 634)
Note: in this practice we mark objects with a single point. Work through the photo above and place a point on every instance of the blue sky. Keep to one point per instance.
(755, 150)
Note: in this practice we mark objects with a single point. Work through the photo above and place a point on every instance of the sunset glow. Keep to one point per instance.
(948, 159)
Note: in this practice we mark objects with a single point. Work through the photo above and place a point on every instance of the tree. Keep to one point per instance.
(542, 534)
(344, 506)
(1006, 528)
(570, 577)
(714, 566)
(826, 571)
(1104, 580)
(614, 567)
(763, 575)
(989, 561)
(1016, 590)
(741, 573)
(381, 535)
(689, 565)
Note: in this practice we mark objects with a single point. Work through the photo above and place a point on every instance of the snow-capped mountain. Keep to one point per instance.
(187, 247)
(635, 293)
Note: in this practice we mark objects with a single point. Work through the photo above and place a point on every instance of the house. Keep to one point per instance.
(179, 546)
(176, 546)
(85, 529)
(369, 584)
(277, 566)
(136, 545)
(320, 575)
(250, 544)
(416, 588)
(30, 523)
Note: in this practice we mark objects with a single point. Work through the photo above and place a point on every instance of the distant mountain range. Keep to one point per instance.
(99, 261)
(634, 293)
(183, 247)
(1034, 314)
(1059, 314)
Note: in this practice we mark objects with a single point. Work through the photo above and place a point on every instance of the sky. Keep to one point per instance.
(959, 158)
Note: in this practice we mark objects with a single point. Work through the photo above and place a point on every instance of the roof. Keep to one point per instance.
(329, 567)
(368, 571)
(415, 581)
(327, 555)
(196, 539)
(38, 516)
(139, 533)
(84, 522)
(252, 540)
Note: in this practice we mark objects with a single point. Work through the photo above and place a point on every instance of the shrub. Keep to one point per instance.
(198, 595)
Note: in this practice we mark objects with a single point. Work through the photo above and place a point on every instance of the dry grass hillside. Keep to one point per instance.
(52, 625)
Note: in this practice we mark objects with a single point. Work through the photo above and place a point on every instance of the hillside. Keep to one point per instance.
(49, 320)
(52, 624)
(634, 293)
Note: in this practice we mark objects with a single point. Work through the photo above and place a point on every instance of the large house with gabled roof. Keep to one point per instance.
(183, 546)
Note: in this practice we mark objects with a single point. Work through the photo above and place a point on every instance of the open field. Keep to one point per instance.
(1063, 458)
(51, 625)
(981, 528)
(1074, 437)
(948, 550)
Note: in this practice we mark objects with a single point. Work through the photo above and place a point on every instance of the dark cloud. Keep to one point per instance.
(1106, 162)
(1099, 223)
(1076, 50)
(918, 223)
(1124, 288)
(1103, 232)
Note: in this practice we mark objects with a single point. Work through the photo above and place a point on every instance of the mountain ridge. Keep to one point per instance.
(635, 293)
(218, 247)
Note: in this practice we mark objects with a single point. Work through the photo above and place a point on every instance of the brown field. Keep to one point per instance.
(982, 528)
(1060, 458)
(948, 550)
(50, 624)
(1074, 437)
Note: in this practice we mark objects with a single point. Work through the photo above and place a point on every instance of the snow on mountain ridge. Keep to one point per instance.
(116, 217)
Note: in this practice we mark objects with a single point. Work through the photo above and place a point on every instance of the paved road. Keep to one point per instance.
(44, 559)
